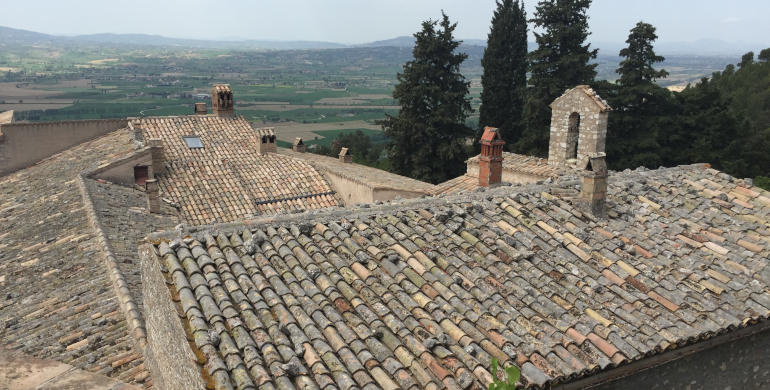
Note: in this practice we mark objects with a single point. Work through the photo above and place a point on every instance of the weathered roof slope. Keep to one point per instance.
(425, 293)
(228, 179)
(57, 301)
(377, 178)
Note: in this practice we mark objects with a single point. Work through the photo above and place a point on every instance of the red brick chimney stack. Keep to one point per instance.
(491, 158)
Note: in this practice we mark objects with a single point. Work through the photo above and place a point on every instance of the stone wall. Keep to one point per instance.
(734, 360)
(740, 364)
(168, 356)
(122, 171)
(24, 144)
(352, 191)
(592, 130)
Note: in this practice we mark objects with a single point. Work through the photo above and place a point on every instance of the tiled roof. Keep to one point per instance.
(228, 179)
(512, 163)
(460, 183)
(424, 293)
(56, 296)
(375, 177)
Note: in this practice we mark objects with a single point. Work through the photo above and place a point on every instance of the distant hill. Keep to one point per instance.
(12, 36)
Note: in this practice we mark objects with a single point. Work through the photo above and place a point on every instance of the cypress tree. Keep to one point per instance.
(637, 67)
(504, 81)
(561, 61)
(429, 134)
(643, 119)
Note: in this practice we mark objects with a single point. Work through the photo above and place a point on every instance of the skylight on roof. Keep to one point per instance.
(193, 142)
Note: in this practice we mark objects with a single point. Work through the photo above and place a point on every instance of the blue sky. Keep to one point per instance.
(358, 21)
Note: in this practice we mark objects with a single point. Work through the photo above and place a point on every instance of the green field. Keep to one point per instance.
(326, 137)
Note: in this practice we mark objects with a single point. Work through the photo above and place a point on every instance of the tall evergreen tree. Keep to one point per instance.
(642, 121)
(429, 134)
(504, 82)
(561, 61)
(637, 67)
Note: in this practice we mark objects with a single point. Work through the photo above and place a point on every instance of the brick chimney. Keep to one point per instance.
(200, 108)
(593, 191)
(491, 158)
(345, 156)
(153, 195)
(222, 100)
(267, 140)
(298, 145)
(158, 157)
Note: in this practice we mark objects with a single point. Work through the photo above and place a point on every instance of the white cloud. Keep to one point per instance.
(731, 19)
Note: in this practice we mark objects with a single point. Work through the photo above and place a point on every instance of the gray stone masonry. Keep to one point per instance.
(593, 190)
(153, 196)
(578, 127)
(158, 157)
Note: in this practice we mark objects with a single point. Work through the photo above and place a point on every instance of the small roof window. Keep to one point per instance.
(193, 142)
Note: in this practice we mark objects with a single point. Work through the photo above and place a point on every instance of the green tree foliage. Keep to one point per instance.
(504, 80)
(561, 61)
(764, 55)
(364, 149)
(639, 58)
(429, 133)
(747, 59)
(723, 120)
(642, 109)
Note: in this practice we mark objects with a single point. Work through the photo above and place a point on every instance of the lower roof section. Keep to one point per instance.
(425, 293)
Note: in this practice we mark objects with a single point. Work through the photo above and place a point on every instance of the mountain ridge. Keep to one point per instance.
(13, 36)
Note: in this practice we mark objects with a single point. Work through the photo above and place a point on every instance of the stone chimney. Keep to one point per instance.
(491, 158)
(593, 190)
(222, 100)
(298, 145)
(200, 108)
(153, 195)
(345, 156)
(158, 157)
(267, 140)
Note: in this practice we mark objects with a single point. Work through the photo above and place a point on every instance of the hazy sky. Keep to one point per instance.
(358, 21)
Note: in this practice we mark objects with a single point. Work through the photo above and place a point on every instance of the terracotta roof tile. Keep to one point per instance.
(228, 179)
(427, 292)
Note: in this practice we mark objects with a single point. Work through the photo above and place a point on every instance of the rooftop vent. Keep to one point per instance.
(200, 108)
(593, 189)
(299, 145)
(345, 156)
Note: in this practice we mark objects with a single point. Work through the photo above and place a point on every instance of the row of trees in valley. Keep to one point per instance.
(723, 120)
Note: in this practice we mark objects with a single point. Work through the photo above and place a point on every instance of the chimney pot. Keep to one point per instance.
(593, 189)
(491, 158)
(298, 145)
(266, 140)
(153, 195)
(345, 156)
(222, 101)
(200, 108)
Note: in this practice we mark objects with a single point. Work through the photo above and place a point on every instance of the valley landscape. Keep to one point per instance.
(307, 89)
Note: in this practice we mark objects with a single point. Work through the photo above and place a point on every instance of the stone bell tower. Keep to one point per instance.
(578, 127)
